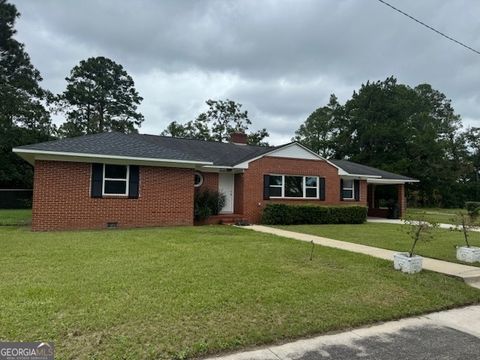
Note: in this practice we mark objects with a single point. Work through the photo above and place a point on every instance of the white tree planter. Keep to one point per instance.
(468, 254)
(409, 265)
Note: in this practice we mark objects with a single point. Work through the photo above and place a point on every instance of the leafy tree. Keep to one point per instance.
(321, 129)
(257, 137)
(407, 130)
(225, 116)
(23, 117)
(216, 124)
(412, 131)
(100, 96)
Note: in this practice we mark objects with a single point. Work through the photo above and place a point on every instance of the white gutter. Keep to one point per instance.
(113, 157)
(218, 167)
(359, 175)
(391, 181)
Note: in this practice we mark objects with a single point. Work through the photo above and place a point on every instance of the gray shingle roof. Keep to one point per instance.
(169, 148)
(155, 147)
(358, 169)
(221, 154)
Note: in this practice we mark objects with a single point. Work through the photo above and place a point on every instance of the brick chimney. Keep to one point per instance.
(239, 138)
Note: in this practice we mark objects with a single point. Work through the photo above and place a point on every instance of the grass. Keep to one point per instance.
(172, 293)
(438, 215)
(15, 217)
(392, 237)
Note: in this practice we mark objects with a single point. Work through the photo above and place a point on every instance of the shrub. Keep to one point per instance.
(208, 203)
(281, 214)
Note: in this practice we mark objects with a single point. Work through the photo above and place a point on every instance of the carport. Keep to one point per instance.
(385, 190)
(386, 199)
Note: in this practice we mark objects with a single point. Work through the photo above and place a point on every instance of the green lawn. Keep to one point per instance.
(438, 215)
(182, 292)
(15, 217)
(392, 237)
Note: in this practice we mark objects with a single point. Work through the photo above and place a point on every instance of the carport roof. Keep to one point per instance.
(358, 169)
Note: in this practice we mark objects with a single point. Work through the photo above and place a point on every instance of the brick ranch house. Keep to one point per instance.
(135, 180)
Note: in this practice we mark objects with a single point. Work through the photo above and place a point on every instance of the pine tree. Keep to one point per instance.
(100, 96)
(23, 116)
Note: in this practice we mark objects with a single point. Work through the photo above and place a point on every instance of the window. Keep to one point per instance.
(348, 190)
(287, 186)
(311, 186)
(276, 185)
(115, 179)
(198, 179)
(293, 186)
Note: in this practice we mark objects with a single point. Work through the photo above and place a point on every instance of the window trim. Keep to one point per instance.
(126, 180)
(201, 179)
(304, 188)
(282, 189)
(349, 189)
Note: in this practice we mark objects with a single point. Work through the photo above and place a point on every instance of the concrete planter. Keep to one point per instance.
(409, 265)
(468, 254)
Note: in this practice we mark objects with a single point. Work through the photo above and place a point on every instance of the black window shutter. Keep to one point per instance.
(266, 187)
(97, 180)
(133, 182)
(356, 188)
(321, 196)
(341, 189)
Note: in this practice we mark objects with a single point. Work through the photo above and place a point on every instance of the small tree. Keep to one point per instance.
(465, 221)
(419, 230)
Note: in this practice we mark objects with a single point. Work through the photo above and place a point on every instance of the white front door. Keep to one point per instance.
(226, 187)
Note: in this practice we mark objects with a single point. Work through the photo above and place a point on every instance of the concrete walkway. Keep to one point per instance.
(470, 274)
(401, 222)
(453, 334)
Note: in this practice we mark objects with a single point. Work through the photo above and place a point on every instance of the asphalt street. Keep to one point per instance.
(446, 335)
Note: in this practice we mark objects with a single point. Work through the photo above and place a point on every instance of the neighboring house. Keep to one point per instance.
(113, 179)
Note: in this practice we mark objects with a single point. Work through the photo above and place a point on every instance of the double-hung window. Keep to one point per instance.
(115, 179)
(276, 185)
(289, 186)
(311, 186)
(348, 189)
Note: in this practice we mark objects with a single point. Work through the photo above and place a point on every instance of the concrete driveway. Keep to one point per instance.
(453, 334)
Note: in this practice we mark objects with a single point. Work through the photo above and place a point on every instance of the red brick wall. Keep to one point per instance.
(238, 194)
(210, 181)
(253, 202)
(61, 199)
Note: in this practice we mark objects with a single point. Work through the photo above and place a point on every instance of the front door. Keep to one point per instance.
(226, 187)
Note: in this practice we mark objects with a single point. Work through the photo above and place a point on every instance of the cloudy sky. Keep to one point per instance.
(280, 59)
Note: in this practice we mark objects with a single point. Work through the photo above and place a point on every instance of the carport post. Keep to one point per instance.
(402, 201)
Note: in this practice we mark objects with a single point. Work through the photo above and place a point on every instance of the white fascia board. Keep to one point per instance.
(32, 155)
(391, 181)
(219, 169)
(348, 175)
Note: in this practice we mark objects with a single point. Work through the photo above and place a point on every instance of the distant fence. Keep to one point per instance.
(16, 198)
